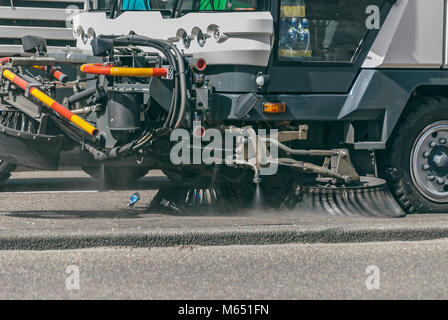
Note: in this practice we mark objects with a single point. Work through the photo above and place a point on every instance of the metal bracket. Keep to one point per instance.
(342, 164)
(170, 74)
(202, 98)
(2, 69)
(301, 134)
(27, 90)
(32, 61)
(29, 85)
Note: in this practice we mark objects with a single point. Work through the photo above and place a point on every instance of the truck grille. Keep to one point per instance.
(46, 18)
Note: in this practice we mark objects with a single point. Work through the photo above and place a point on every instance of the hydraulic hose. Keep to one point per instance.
(170, 118)
(163, 46)
(183, 86)
(174, 117)
(81, 95)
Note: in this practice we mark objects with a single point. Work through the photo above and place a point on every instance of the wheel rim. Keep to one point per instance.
(429, 162)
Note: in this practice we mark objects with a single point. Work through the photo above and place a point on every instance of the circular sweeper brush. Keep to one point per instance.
(370, 198)
(191, 199)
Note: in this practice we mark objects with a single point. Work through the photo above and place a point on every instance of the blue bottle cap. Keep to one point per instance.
(134, 199)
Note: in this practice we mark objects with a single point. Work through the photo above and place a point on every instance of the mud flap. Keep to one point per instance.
(30, 150)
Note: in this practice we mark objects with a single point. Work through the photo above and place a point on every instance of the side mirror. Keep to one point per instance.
(33, 44)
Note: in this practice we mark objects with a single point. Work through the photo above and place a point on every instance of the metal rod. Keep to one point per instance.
(98, 68)
(58, 75)
(310, 153)
(81, 95)
(314, 168)
(257, 178)
(49, 102)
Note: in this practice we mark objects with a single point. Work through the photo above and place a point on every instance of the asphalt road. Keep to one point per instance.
(69, 210)
(404, 270)
(135, 253)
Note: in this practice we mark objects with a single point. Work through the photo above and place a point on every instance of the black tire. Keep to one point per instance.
(5, 171)
(116, 176)
(403, 152)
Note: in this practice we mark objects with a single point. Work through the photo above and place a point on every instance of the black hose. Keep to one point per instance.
(183, 87)
(81, 95)
(174, 117)
(175, 96)
(163, 46)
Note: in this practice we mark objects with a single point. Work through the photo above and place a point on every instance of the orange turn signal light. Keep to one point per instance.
(273, 108)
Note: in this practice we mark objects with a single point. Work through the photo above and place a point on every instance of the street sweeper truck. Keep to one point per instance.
(320, 106)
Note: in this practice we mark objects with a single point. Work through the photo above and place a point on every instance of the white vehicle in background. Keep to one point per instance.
(51, 19)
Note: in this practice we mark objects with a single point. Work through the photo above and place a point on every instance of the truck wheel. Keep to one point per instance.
(5, 171)
(116, 176)
(418, 157)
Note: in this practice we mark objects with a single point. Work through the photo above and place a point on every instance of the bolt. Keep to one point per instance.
(441, 160)
(426, 167)
(392, 174)
(442, 141)
(440, 181)
(431, 178)
(433, 144)
(347, 179)
(343, 153)
(426, 154)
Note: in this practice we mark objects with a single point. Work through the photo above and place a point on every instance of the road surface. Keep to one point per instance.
(406, 270)
(121, 253)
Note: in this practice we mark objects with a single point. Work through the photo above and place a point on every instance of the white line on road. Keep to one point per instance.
(46, 192)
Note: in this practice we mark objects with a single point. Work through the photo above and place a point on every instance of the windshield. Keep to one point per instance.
(181, 5)
(223, 5)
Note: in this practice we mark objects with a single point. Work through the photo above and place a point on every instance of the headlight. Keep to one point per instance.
(186, 40)
(79, 31)
(91, 33)
(202, 39)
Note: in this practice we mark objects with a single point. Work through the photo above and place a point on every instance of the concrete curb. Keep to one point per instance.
(259, 235)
